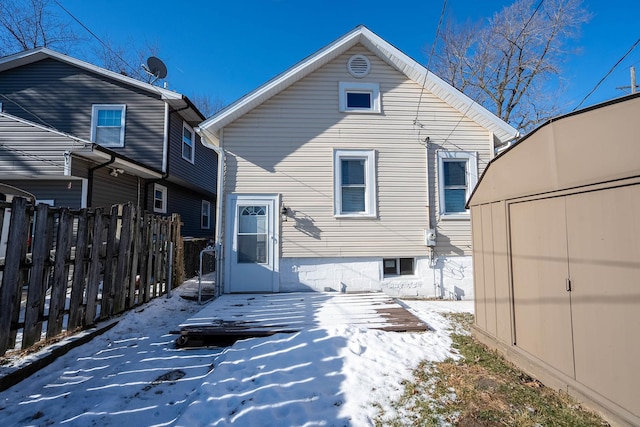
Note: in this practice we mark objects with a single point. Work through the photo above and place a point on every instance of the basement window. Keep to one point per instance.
(398, 266)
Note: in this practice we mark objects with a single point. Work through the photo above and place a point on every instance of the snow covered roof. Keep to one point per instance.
(384, 50)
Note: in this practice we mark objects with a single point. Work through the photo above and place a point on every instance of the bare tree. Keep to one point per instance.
(208, 105)
(27, 24)
(511, 64)
(122, 59)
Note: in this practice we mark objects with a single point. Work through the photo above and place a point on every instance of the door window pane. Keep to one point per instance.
(252, 235)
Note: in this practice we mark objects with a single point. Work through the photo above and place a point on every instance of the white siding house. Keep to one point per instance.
(332, 176)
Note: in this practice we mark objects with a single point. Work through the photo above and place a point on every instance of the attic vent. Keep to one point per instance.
(358, 66)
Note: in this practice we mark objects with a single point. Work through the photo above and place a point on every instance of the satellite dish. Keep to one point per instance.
(156, 68)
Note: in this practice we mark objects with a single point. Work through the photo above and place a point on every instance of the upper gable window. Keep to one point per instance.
(107, 124)
(188, 139)
(359, 97)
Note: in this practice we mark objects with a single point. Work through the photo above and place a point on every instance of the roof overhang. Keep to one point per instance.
(210, 128)
(95, 153)
(176, 101)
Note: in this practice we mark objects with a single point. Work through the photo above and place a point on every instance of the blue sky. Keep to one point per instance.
(226, 49)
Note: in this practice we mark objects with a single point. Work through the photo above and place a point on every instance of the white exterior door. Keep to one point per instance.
(252, 246)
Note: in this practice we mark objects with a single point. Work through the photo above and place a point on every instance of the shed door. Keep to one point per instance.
(542, 305)
(604, 250)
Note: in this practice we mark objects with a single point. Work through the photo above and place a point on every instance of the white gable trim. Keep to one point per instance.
(384, 50)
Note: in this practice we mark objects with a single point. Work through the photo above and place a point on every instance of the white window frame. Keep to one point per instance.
(163, 190)
(471, 173)
(373, 89)
(370, 183)
(95, 108)
(183, 143)
(206, 206)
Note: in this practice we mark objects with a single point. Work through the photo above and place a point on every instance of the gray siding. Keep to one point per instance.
(201, 175)
(60, 96)
(108, 190)
(30, 151)
(188, 205)
(286, 146)
(64, 193)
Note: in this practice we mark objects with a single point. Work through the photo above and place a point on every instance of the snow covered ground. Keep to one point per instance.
(133, 374)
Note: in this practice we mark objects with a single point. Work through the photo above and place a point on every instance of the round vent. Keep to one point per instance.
(358, 66)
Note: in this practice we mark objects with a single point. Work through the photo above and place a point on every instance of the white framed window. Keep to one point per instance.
(205, 218)
(107, 124)
(354, 180)
(159, 198)
(188, 140)
(398, 267)
(457, 176)
(359, 97)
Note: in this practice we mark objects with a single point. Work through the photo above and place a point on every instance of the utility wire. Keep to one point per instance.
(97, 38)
(607, 75)
(433, 48)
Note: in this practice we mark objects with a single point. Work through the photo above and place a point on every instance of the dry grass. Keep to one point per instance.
(481, 389)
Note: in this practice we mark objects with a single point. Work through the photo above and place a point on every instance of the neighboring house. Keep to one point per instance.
(556, 242)
(339, 169)
(77, 135)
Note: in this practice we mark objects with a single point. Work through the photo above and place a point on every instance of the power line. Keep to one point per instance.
(97, 38)
(607, 75)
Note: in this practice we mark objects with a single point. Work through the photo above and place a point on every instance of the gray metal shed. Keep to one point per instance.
(556, 248)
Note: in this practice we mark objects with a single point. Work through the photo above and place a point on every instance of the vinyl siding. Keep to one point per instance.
(108, 190)
(201, 175)
(60, 96)
(188, 205)
(29, 151)
(286, 146)
(64, 193)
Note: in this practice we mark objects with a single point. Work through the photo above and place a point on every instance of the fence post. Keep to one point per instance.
(60, 274)
(120, 290)
(136, 235)
(93, 280)
(42, 236)
(79, 272)
(15, 257)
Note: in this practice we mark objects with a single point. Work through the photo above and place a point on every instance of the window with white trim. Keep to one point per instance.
(457, 176)
(107, 124)
(354, 183)
(205, 218)
(188, 139)
(159, 198)
(359, 97)
(398, 266)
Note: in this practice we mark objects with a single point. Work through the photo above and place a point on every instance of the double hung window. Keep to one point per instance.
(354, 183)
(188, 139)
(107, 124)
(458, 174)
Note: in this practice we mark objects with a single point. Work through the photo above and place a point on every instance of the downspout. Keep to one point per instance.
(219, 205)
(90, 179)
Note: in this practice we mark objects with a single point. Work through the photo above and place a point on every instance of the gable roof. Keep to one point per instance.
(384, 50)
(176, 100)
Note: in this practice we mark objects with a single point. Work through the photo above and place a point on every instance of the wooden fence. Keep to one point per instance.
(63, 270)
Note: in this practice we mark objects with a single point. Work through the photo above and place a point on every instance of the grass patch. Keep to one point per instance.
(482, 389)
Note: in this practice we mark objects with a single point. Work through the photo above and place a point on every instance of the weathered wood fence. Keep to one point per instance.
(63, 270)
